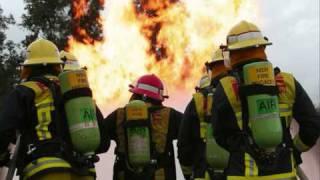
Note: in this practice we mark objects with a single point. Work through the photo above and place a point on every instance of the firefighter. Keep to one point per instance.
(253, 110)
(152, 152)
(193, 141)
(35, 110)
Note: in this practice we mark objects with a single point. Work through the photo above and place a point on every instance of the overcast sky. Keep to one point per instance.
(292, 26)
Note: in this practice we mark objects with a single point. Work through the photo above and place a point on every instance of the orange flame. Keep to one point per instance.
(80, 9)
(170, 38)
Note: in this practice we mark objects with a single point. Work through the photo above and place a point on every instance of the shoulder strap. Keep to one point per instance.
(120, 130)
(36, 87)
(160, 125)
(231, 89)
(203, 105)
(199, 100)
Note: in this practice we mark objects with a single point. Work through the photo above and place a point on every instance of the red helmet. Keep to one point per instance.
(150, 86)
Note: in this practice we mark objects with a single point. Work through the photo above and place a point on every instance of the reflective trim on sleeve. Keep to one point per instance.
(299, 144)
(42, 164)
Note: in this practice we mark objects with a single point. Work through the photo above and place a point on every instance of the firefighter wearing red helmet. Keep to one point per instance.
(149, 86)
(143, 131)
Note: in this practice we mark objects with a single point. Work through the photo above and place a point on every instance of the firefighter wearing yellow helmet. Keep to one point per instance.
(33, 109)
(144, 130)
(253, 110)
(70, 61)
(198, 152)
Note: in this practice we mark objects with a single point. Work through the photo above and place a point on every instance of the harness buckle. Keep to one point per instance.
(31, 149)
(153, 162)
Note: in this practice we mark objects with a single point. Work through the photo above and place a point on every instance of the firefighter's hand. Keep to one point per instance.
(4, 158)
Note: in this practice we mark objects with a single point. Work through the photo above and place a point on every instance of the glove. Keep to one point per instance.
(4, 158)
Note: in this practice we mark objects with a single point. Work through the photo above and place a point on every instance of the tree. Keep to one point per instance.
(9, 57)
(56, 20)
(47, 18)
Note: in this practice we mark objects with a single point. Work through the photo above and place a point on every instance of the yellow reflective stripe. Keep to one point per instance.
(283, 176)
(298, 143)
(44, 119)
(33, 85)
(42, 164)
(251, 168)
(286, 176)
(207, 176)
(44, 105)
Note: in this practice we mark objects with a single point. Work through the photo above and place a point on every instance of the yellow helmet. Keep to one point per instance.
(42, 51)
(70, 61)
(204, 82)
(245, 35)
(217, 56)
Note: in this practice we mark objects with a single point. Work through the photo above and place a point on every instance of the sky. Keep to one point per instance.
(292, 26)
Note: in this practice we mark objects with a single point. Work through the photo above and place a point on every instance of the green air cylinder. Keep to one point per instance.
(264, 118)
(216, 156)
(80, 111)
(138, 134)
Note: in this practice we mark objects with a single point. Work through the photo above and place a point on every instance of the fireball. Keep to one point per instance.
(170, 38)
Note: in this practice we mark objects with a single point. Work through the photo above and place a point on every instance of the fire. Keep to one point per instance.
(170, 38)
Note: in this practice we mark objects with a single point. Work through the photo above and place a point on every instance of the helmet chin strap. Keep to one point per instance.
(144, 97)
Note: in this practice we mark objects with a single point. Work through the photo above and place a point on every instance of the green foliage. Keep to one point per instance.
(52, 19)
(49, 19)
(5, 21)
(9, 57)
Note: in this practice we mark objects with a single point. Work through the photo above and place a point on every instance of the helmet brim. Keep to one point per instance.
(248, 44)
(146, 93)
(38, 61)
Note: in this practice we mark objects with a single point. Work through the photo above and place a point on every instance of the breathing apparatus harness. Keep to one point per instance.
(265, 158)
(57, 146)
